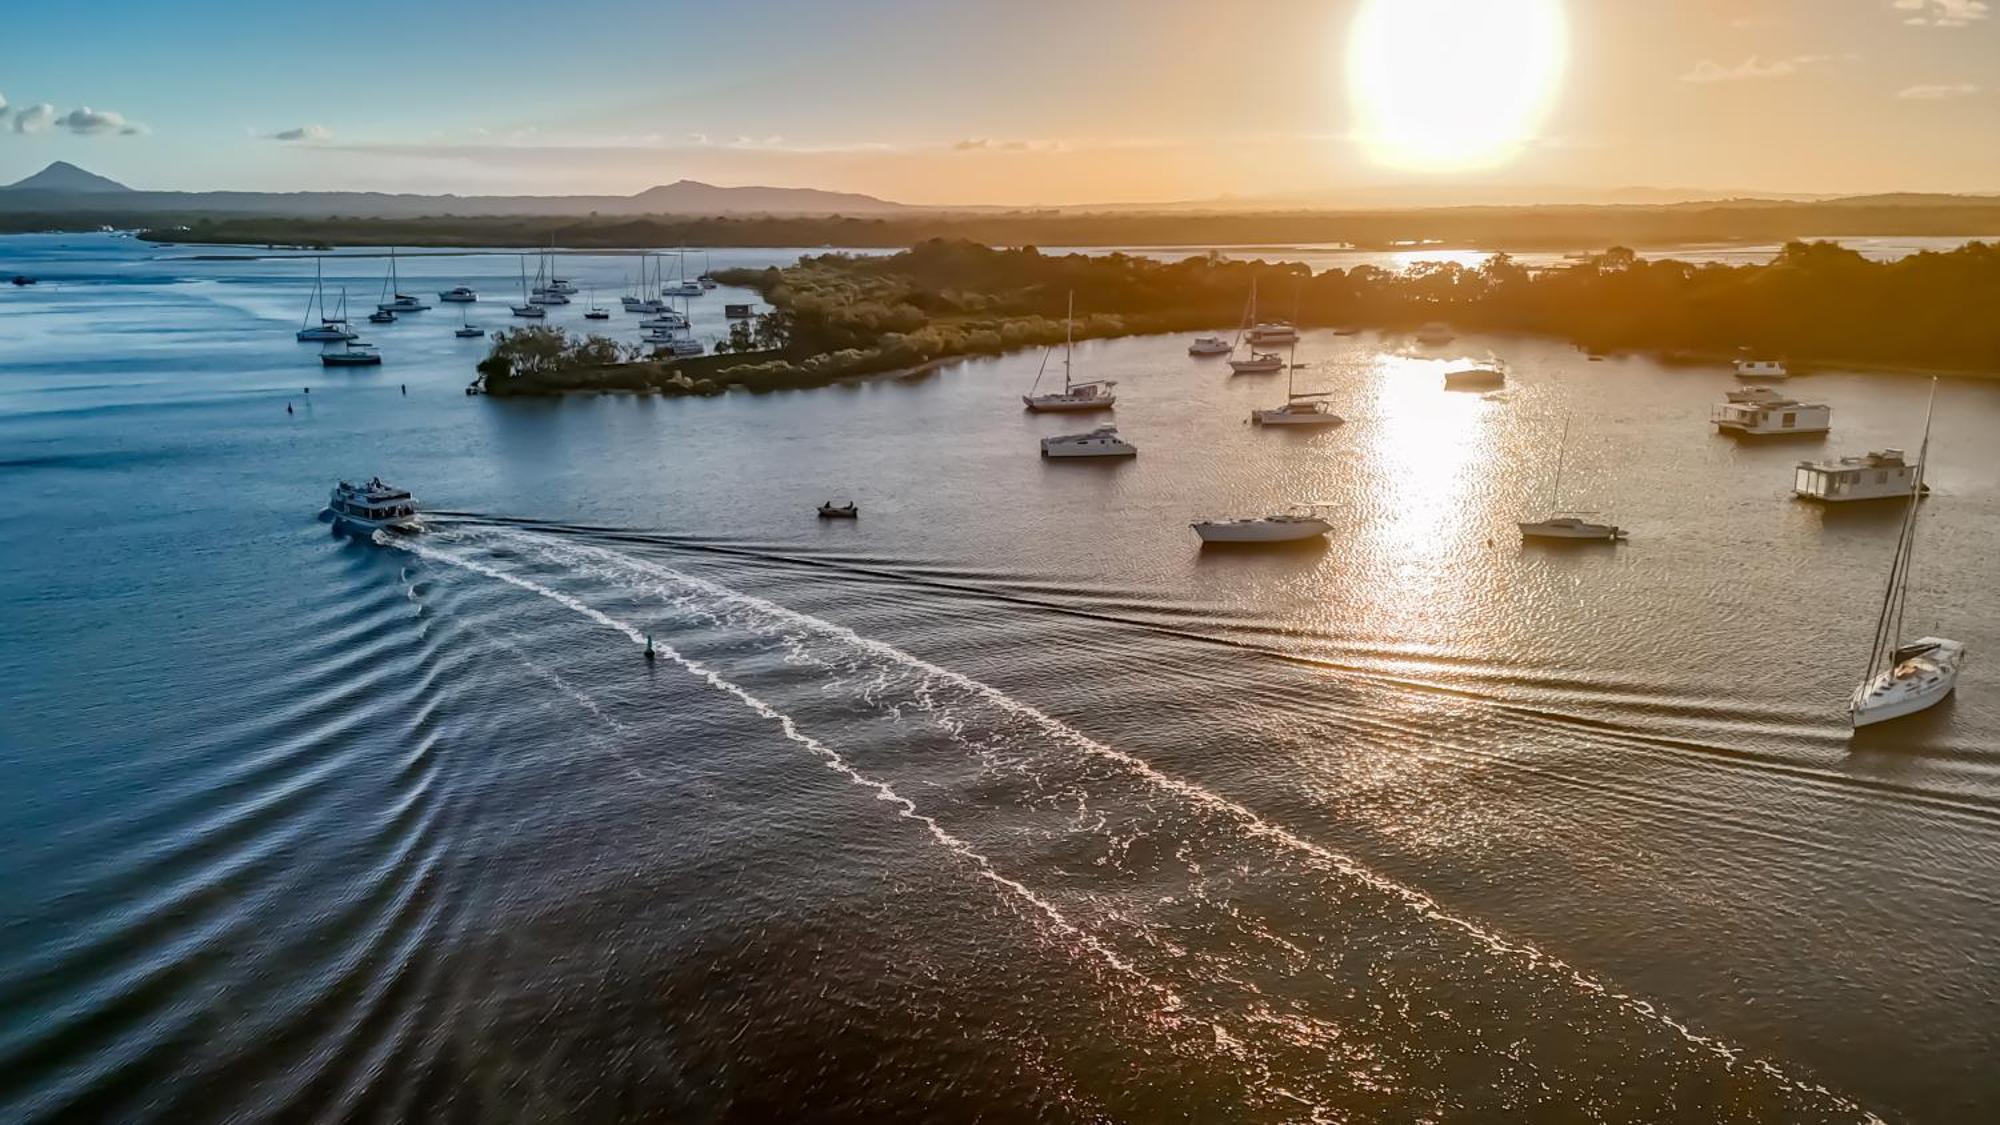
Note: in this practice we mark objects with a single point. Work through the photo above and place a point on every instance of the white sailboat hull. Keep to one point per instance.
(1282, 417)
(1570, 529)
(1260, 531)
(1256, 366)
(1060, 404)
(1914, 685)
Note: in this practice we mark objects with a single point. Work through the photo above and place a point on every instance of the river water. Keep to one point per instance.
(1004, 799)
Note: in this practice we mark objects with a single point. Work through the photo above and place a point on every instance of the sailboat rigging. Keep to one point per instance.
(1093, 395)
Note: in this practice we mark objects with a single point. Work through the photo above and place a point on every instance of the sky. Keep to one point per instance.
(1011, 103)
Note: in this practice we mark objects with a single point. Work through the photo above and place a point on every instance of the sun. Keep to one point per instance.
(1447, 85)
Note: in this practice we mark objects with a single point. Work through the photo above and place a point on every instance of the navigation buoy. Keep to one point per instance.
(649, 647)
(288, 408)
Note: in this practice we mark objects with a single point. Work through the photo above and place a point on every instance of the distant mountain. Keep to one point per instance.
(66, 177)
(65, 187)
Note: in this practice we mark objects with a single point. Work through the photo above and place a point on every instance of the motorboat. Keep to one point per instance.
(1258, 363)
(1479, 377)
(355, 354)
(1074, 397)
(1274, 332)
(833, 511)
(1300, 523)
(1905, 677)
(547, 296)
(1100, 442)
(1435, 333)
(380, 316)
(1307, 409)
(1772, 417)
(1210, 345)
(667, 318)
(458, 295)
(373, 506)
(1762, 369)
(1571, 527)
(1877, 475)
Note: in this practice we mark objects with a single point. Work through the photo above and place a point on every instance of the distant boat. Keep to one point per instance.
(458, 295)
(398, 301)
(1905, 677)
(1308, 409)
(707, 279)
(1300, 523)
(595, 313)
(22, 279)
(1094, 395)
(323, 329)
(833, 511)
(527, 309)
(737, 312)
(1771, 416)
(682, 287)
(355, 354)
(1210, 345)
(1275, 332)
(465, 330)
(1100, 442)
(1479, 377)
(1347, 331)
(1762, 369)
(1567, 525)
(380, 316)
(1435, 333)
(1256, 362)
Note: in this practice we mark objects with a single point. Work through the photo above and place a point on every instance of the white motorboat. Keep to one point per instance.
(1210, 345)
(1767, 417)
(329, 329)
(1300, 523)
(1094, 395)
(1308, 409)
(1568, 525)
(1434, 334)
(354, 354)
(374, 506)
(1100, 442)
(1478, 377)
(1905, 677)
(1762, 369)
(1274, 332)
(666, 318)
(458, 295)
(1883, 475)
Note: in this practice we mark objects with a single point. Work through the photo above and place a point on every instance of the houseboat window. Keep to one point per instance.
(1882, 477)
(1789, 417)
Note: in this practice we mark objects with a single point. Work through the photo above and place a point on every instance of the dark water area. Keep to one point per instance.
(1002, 801)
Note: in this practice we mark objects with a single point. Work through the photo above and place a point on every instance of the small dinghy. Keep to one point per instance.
(833, 511)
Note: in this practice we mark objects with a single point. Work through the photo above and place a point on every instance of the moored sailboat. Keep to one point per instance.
(1568, 525)
(1093, 395)
(1309, 409)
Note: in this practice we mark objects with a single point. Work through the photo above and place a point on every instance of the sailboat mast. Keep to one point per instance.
(1562, 449)
(1069, 337)
(1889, 625)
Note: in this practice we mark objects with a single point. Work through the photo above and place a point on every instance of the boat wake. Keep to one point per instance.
(1332, 982)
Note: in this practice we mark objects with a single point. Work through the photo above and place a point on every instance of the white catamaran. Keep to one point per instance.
(1094, 395)
(1905, 677)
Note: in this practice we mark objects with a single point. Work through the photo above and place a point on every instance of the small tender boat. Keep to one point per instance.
(1210, 345)
(380, 316)
(1100, 442)
(22, 279)
(1905, 677)
(1765, 417)
(1762, 369)
(833, 511)
(371, 507)
(1480, 377)
(1300, 523)
(1095, 395)
(458, 295)
(355, 354)
(1435, 333)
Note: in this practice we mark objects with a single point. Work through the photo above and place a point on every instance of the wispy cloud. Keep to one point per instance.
(1942, 13)
(34, 118)
(1708, 70)
(88, 122)
(307, 133)
(1939, 92)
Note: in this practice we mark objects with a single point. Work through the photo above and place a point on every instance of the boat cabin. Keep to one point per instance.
(1768, 417)
(736, 312)
(1874, 476)
(373, 502)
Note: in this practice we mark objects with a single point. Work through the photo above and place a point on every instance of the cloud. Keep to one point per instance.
(88, 122)
(3, 105)
(1937, 93)
(1943, 13)
(1708, 70)
(310, 133)
(34, 118)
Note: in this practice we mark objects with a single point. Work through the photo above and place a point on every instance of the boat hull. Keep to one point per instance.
(1258, 532)
(1286, 418)
(1256, 367)
(1072, 452)
(1067, 406)
(1550, 529)
(1932, 677)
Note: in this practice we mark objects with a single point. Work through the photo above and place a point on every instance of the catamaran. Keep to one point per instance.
(458, 295)
(1905, 677)
(1309, 409)
(1568, 525)
(328, 329)
(1094, 395)
(1100, 442)
(1256, 363)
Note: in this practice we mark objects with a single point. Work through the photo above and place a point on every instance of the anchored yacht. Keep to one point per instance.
(1568, 525)
(330, 329)
(355, 354)
(1210, 345)
(1765, 417)
(1258, 363)
(372, 506)
(1100, 442)
(1273, 332)
(1479, 377)
(458, 295)
(1762, 369)
(1300, 523)
(1309, 409)
(1094, 395)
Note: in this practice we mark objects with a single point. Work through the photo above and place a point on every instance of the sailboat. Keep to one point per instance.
(398, 301)
(1568, 525)
(1095, 395)
(707, 278)
(327, 330)
(1256, 363)
(594, 312)
(681, 287)
(467, 330)
(528, 308)
(1308, 409)
(1905, 677)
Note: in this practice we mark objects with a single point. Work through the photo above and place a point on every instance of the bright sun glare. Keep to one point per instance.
(1442, 85)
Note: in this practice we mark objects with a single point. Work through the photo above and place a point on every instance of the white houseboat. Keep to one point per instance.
(1772, 416)
(1884, 475)
(1762, 369)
